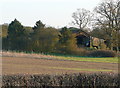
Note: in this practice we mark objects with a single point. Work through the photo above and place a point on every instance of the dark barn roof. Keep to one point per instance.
(79, 31)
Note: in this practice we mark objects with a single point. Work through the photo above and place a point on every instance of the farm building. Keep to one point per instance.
(85, 40)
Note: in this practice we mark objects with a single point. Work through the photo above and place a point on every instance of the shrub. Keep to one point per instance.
(79, 52)
(102, 53)
(72, 51)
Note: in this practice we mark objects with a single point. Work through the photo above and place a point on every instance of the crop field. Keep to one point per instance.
(21, 63)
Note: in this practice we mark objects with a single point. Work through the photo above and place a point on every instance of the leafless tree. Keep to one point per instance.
(81, 18)
(109, 17)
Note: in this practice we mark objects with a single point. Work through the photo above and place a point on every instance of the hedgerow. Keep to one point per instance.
(98, 80)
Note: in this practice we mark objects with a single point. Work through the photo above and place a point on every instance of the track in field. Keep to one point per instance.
(18, 65)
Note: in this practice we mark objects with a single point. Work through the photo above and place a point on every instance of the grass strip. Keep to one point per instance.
(79, 69)
(105, 60)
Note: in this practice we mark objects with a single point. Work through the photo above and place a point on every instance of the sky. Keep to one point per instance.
(55, 13)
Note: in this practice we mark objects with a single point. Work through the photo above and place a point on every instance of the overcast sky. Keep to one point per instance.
(56, 13)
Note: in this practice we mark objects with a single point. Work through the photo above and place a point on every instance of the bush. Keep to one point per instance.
(72, 51)
(79, 52)
(102, 53)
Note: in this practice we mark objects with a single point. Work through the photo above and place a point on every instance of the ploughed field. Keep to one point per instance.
(20, 63)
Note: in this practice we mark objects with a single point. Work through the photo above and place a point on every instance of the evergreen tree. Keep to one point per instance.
(15, 35)
(39, 25)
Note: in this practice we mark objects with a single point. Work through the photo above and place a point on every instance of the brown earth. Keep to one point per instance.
(21, 65)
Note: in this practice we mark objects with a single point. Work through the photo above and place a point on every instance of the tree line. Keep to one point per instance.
(38, 39)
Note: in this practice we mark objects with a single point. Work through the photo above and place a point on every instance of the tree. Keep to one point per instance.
(15, 35)
(82, 18)
(39, 25)
(109, 18)
(4, 30)
(67, 42)
(44, 39)
(15, 29)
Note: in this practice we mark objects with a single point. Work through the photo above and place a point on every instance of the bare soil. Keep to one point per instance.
(22, 65)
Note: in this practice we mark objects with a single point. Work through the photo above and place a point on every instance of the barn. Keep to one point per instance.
(82, 37)
(85, 40)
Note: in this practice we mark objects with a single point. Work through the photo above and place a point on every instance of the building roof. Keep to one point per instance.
(79, 31)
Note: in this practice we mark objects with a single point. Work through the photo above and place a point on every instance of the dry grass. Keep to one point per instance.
(25, 55)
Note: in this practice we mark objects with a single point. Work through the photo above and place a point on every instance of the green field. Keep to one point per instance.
(90, 59)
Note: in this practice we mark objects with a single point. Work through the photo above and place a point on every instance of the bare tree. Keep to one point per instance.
(109, 18)
(82, 18)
